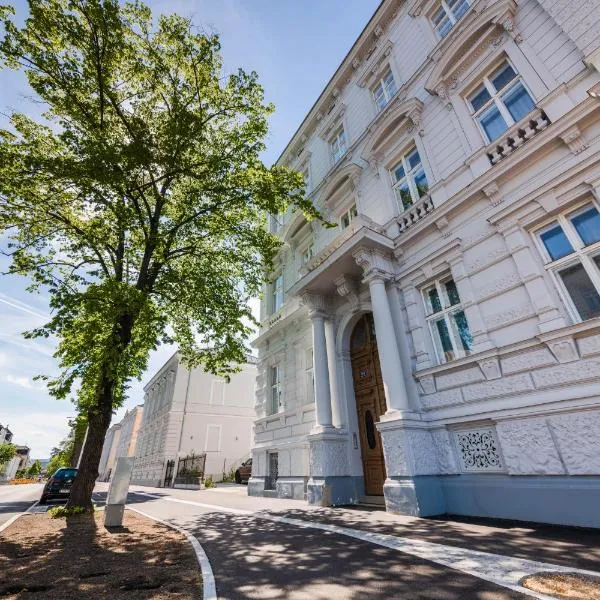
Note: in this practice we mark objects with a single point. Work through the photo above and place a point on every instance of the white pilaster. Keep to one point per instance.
(332, 361)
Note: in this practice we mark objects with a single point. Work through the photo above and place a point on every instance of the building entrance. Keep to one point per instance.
(370, 402)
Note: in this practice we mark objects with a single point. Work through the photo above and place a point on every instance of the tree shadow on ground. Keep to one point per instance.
(568, 546)
(254, 558)
(79, 560)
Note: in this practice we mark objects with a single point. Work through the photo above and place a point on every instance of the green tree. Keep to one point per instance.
(34, 469)
(139, 200)
(7, 451)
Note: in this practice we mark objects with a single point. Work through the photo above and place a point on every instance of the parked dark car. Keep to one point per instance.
(59, 485)
(244, 472)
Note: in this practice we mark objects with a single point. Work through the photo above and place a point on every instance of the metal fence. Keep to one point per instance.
(190, 470)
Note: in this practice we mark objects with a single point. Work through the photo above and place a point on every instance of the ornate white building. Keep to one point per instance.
(451, 321)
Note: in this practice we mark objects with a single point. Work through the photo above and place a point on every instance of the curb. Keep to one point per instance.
(209, 586)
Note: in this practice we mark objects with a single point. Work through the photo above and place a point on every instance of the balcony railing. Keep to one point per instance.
(518, 135)
(413, 214)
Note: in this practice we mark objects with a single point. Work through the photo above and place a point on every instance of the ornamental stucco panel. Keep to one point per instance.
(578, 439)
(528, 448)
(444, 451)
(409, 452)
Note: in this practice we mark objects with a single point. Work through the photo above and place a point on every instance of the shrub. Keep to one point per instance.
(229, 477)
(209, 483)
(62, 512)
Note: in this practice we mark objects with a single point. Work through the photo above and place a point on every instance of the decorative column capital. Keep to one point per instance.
(347, 287)
(375, 265)
(317, 304)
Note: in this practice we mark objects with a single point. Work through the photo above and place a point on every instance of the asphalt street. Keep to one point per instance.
(15, 499)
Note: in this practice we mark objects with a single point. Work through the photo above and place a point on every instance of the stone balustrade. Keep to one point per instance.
(516, 136)
(415, 213)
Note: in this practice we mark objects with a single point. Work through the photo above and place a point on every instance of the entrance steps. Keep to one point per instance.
(374, 501)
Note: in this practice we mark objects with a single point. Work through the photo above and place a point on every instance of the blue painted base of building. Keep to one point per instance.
(334, 491)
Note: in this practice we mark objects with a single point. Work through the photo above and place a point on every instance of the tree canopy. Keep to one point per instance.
(138, 201)
(7, 451)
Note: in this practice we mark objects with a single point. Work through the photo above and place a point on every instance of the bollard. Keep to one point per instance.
(117, 492)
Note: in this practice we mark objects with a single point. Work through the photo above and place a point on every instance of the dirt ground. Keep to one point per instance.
(54, 559)
(564, 585)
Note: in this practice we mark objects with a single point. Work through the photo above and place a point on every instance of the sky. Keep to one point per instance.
(295, 46)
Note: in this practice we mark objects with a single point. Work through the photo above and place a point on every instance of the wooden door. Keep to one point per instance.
(370, 402)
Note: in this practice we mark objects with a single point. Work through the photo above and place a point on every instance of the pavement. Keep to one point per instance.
(15, 499)
(283, 549)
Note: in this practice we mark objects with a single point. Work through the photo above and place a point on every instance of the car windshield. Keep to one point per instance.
(65, 474)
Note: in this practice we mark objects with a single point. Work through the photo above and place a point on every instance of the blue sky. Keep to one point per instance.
(295, 46)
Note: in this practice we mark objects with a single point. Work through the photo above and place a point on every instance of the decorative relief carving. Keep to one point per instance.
(427, 384)
(478, 450)
(490, 368)
(528, 448)
(507, 317)
(462, 377)
(497, 286)
(577, 436)
(492, 193)
(575, 372)
(573, 138)
(498, 387)
(589, 345)
(347, 287)
(408, 452)
(526, 361)
(564, 350)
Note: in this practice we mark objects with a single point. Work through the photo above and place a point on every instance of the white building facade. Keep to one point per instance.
(109, 452)
(130, 427)
(189, 413)
(451, 321)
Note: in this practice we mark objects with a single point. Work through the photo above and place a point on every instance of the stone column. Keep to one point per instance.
(336, 412)
(316, 307)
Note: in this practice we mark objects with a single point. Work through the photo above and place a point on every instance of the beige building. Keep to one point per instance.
(189, 413)
(439, 350)
(130, 427)
(109, 452)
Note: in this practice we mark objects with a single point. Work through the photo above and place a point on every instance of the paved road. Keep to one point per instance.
(282, 549)
(15, 499)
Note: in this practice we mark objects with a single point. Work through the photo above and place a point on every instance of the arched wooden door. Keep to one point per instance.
(370, 402)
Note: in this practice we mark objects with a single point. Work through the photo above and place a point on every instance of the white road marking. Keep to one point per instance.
(209, 585)
(506, 571)
(13, 519)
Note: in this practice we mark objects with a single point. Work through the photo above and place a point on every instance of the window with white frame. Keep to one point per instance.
(570, 246)
(308, 252)
(447, 320)
(338, 146)
(348, 216)
(275, 388)
(384, 90)
(448, 14)
(409, 179)
(500, 101)
(309, 377)
(277, 293)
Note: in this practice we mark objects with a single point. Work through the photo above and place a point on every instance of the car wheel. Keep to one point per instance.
(238, 477)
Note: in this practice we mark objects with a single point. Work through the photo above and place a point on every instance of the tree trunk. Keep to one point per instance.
(98, 421)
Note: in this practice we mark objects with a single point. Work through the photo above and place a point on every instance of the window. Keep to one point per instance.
(275, 222)
(500, 101)
(385, 90)
(310, 377)
(571, 248)
(447, 321)
(277, 294)
(410, 181)
(338, 146)
(348, 216)
(449, 12)
(275, 385)
(308, 253)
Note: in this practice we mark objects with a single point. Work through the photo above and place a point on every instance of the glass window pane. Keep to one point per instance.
(452, 292)
(442, 22)
(403, 194)
(556, 242)
(379, 96)
(444, 340)
(493, 123)
(504, 75)
(479, 97)
(459, 7)
(434, 300)
(518, 102)
(582, 291)
(390, 84)
(421, 182)
(587, 225)
(413, 159)
(399, 172)
(462, 328)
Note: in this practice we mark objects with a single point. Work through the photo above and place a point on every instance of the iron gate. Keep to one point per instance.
(169, 473)
(271, 482)
(190, 470)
